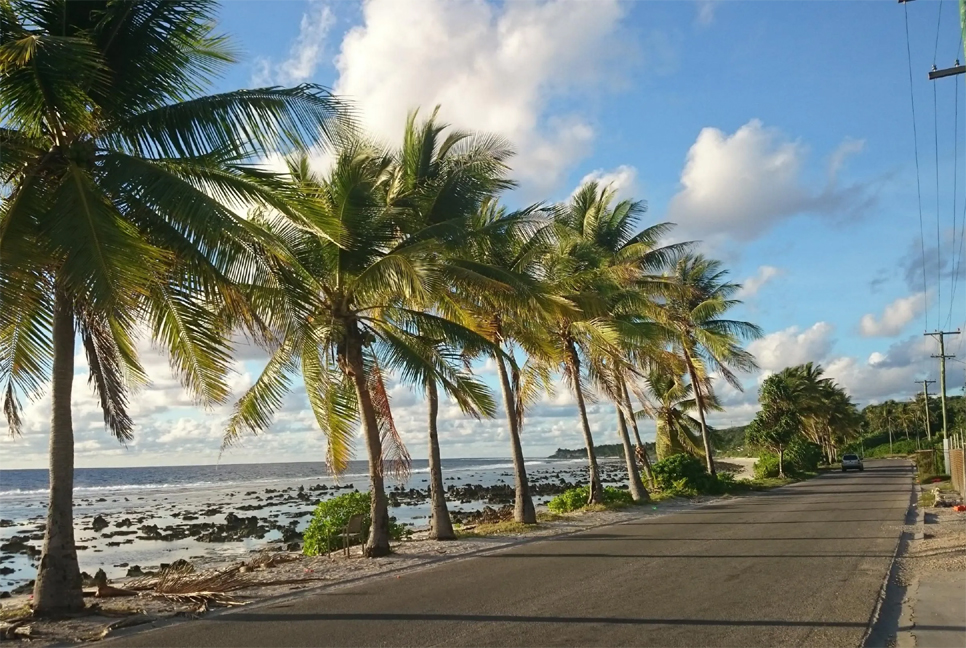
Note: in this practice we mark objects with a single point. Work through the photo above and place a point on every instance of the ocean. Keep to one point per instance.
(131, 498)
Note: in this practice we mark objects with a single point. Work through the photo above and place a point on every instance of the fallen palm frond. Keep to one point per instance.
(207, 589)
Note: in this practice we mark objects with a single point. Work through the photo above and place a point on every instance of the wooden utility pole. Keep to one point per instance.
(925, 401)
(942, 370)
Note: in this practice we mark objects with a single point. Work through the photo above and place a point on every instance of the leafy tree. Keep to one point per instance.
(693, 314)
(377, 301)
(591, 265)
(669, 400)
(510, 245)
(120, 182)
(777, 424)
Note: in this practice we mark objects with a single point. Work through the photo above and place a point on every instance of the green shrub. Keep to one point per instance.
(803, 456)
(766, 466)
(681, 473)
(324, 533)
(576, 498)
(899, 447)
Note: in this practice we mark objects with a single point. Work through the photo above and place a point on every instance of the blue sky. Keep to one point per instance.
(778, 133)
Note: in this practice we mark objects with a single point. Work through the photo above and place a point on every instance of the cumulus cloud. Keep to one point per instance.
(792, 346)
(497, 68)
(754, 283)
(739, 185)
(623, 180)
(894, 318)
(305, 54)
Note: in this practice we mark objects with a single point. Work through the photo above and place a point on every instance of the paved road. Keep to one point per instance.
(801, 565)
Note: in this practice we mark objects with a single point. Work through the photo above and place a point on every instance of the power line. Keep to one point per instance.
(939, 249)
(915, 143)
(956, 256)
(939, 23)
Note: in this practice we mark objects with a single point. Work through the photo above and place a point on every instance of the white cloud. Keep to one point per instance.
(739, 185)
(705, 15)
(751, 285)
(492, 68)
(623, 180)
(894, 318)
(793, 346)
(305, 54)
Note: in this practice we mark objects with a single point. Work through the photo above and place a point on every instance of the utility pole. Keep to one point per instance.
(942, 389)
(925, 400)
(942, 369)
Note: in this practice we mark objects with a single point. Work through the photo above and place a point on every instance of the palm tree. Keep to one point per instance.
(510, 245)
(120, 182)
(599, 265)
(379, 300)
(693, 315)
(669, 401)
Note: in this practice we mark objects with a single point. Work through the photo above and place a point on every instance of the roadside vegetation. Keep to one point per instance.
(135, 205)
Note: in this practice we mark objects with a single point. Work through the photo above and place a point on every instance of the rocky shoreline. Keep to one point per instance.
(121, 534)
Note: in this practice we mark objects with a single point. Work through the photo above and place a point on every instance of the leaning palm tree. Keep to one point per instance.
(120, 184)
(693, 314)
(578, 268)
(510, 245)
(375, 302)
(669, 401)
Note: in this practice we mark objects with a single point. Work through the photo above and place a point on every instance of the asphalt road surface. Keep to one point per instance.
(797, 566)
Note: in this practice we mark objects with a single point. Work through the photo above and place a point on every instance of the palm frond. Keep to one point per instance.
(333, 402)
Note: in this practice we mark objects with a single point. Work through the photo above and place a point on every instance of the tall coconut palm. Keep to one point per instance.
(606, 267)
(120, 184)
(693, 313)
(510, 245)
(377, 300)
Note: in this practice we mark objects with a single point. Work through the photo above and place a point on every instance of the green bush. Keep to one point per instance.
(766, 466)
(899, 447)
(576, 498)
(324, 533)
(803, 456)
(681, 473)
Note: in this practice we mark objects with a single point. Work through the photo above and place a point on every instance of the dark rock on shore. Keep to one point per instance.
(99, 523)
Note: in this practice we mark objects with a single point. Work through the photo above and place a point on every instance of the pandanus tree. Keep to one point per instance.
(375, 302)
(693, 313)
(120, 181)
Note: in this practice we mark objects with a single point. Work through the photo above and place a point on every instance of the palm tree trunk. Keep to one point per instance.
(58, 584)
(699, 400)
(781, 462)
(596, 490)
(440, 526)
(378, 542)
(641, 449)
(633, 477)
(523, 510)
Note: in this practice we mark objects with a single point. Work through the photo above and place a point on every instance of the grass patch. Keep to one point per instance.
(15, 612)
(927, 499)
(547, 516)
(507, 527)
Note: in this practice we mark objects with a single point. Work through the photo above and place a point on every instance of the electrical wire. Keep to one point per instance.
(939, 22)
(957, 258)
(915, 143)
(939, 248)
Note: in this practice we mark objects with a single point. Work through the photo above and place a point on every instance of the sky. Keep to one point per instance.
(778, 134)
